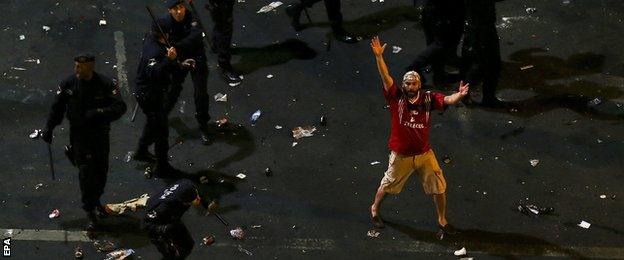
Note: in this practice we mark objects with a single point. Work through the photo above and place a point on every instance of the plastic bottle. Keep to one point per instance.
(255, 116)
(119, 254)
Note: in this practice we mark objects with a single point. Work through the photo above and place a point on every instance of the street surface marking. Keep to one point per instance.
(120, 54)
(372, 244)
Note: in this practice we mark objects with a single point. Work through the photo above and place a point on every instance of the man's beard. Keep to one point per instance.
(411, 94)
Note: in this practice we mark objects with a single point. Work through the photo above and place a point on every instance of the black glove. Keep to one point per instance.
(46, 135)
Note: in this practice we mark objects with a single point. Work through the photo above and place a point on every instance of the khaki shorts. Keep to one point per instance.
(400, 168)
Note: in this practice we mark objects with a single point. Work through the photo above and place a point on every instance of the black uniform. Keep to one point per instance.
(221, 12)
(153, 80)
(333, 12)
(90, 106)
(186, 37)
(443, 23)
(481, 60)
(163, 219)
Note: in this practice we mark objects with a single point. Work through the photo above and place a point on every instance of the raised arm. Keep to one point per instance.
(457, 96)
(378, 50)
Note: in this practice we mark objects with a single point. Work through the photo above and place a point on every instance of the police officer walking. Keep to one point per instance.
(185, 35)
(153, 79)
(163, 222)
(90, 101)
(481, 60)
(222, 12)
(443, 24)
(333, 13)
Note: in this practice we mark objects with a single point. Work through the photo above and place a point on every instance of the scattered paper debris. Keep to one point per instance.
(269, 7)
(234, 84)
(54, 214)
(247, 252)
(102, 22)
(45, 28)
(131, 204)
(22, 37)
(534, 162)
(373, 233)
(241, 176)
(255, 116)
(294, 144)
(237, 233)
(268, 172)
(78, 254)
(220, 97)
(18, 68)
(221, 122)
(256, 226)
(447, 159)
(104, 246)
(584, 224)
(278, 127)
(534, 210)
(119, 254)
(396, 49)
(603, 196)
(375, 162)
(323, 120)
(526, 67)
(530, 10)
(208, 240)
(39, 185)
(305, 131)
(129, 156)
(35, 134)
(460, 252)
(594, 102)
(269, 76)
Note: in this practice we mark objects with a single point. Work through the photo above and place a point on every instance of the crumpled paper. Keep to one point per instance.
(269, 7)
(303, 131)
(132, 204)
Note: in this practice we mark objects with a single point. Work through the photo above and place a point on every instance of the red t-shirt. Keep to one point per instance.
(409, 133)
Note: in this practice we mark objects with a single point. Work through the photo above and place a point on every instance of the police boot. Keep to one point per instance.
(342, 35)
(230, 75)
(91, 220)
(294, 13)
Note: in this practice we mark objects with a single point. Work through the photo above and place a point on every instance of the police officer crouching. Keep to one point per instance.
(163, 219)
(90, 101)
(158, 62)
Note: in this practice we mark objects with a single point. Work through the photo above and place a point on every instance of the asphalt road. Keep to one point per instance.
(316, 203)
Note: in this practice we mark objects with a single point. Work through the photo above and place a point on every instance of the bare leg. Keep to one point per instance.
(378, 198)
(440, 203)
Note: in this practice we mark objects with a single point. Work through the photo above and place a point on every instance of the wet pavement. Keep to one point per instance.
(563, 77)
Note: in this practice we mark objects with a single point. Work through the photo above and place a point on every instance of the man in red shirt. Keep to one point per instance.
(409, 138)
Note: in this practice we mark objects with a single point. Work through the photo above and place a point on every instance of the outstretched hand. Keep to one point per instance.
(463, 88)
(378, 49)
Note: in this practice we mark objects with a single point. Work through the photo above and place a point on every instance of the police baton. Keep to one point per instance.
(51, 161)
(158, 25)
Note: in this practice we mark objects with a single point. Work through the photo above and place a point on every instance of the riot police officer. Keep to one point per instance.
(90, 101)
(158, 62)
(443, 24)
(333, 13)
(185, 35)
(481, 60)
(163, 222)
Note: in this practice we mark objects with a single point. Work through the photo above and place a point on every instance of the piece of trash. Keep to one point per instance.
(375, 162)
(208, 240)
(78, 254)
(269, 7)
(38, 61)
(268, 172)
(241, 176)
(22, 37)
(39, 185)
(129, 156)
(54, 214)
(104, 246)
(446, 159)
(220, 97)
(182, 105)
(241, 249)
(613, 197)
(460, 252)
(305, 131)
(102, 22)
(530, 10)
(256, 226)
(396, 49)
(45, 28)
(131, 204)
(584, 224)
(323, 121)
(526, 67)
(203, 180)
(119, 254)
(294, 144)
(269, 76)
(237, 233)
(534, 210)
(35, 134)
(466, 258)
(603, 196)
(255, 116)
(594, 102)
(147, 173)
(278, 127)
(534, 162)
(221, 122)
(373, 233)
(565, 2)
(18, 68)
(234, 84)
